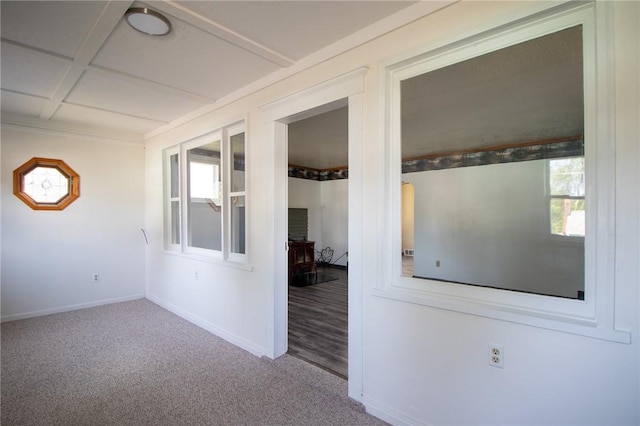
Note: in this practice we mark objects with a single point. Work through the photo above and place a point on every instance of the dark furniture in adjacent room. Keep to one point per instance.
(302, 265)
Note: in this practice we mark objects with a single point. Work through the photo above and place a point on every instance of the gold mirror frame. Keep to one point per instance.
(73, 178)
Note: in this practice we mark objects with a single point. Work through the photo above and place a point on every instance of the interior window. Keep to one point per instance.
(493, 147)
(206, 197)
(501, 171)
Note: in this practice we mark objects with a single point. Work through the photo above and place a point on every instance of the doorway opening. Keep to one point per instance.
(341, 91)
(318, 211)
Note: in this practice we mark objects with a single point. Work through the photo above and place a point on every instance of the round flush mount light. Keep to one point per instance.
(148, 21)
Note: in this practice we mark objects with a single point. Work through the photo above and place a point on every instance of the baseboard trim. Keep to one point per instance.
(51, 311)
(388, 414)
(210, 327)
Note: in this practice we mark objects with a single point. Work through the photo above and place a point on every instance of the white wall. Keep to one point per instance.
(422, 365)
(307, 194)
(49, 257)
(327, 202)
(335, 219)
(489, 225)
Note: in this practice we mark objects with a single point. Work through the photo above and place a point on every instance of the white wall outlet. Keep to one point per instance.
(95, 278)
(496, 355)
(196, 275)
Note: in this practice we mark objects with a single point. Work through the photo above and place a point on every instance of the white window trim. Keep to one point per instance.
(594, 316)
(222, 257)
(228, 195)
(168, 153)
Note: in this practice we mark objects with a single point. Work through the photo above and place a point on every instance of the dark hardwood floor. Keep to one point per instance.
(318, 322)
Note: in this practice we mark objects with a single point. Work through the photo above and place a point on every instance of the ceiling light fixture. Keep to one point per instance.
(148, 21)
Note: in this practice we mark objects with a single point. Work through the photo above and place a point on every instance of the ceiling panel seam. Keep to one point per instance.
(15, 92)
(149, 83)
(120, 113)
(36, 49)
(94, 40)
(220, 31)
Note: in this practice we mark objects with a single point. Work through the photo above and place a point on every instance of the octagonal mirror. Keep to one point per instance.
(46, 184)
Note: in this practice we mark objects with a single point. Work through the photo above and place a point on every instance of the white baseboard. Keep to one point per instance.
(57, 310)
(210, 327)
(388, 414)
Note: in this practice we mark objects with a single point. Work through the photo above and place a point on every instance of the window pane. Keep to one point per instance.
(46, 185)
(205, 181)
(567, 176)
(238, 160)
(476, 140)
(567, 217)
(205, 222)
(204, 202)
(175, 175)
(238, 224)
(175, 222)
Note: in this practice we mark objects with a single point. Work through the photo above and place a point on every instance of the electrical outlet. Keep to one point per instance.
(95, 278)
(496, 355)
(437, 263)
(196, 275)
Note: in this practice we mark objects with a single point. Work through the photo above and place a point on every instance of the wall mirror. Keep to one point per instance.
(46, 184)
(493, 169)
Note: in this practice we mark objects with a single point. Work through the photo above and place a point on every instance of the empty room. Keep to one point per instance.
(485, 198)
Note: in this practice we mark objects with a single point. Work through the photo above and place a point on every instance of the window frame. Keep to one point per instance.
(229, 195)
(170, 199)
(593, 316)
(73, 183)
(225, 255)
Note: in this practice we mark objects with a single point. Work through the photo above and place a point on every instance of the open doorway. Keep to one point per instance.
(343, 90)
(318, 153)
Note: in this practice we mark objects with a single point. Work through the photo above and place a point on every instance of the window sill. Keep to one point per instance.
(212, 260)
(545, 320)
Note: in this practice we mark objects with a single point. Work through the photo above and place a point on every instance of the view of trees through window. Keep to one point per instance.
(566, 188)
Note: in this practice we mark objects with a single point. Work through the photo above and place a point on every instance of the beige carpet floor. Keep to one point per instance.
(135, 363)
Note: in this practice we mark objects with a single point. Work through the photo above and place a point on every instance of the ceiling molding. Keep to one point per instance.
(99, 33)
(211, 27)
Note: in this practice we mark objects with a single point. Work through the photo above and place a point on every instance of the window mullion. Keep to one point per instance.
(184, 199)
(226, 179)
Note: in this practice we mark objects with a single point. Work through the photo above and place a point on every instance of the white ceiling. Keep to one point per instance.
(78, 63)
(321, 141)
